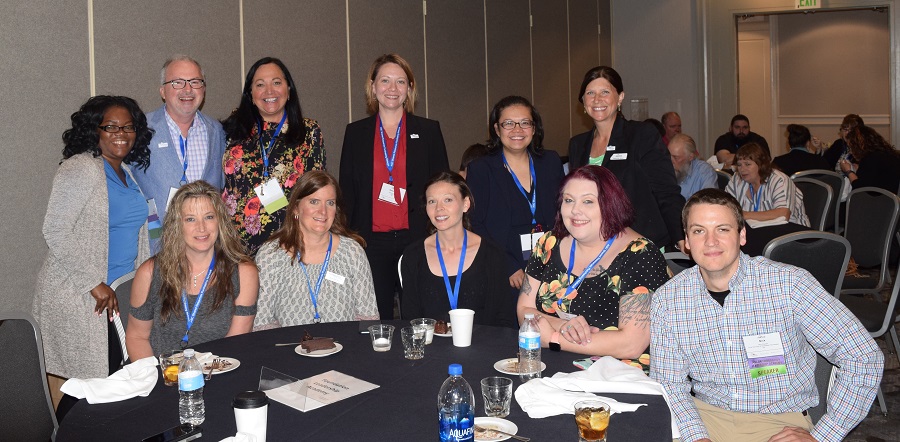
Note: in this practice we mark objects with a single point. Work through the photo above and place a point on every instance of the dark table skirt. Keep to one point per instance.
(403, 408)
(758, 238)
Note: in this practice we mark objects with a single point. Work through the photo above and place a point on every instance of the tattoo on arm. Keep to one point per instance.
(526, 286)
(635, 308)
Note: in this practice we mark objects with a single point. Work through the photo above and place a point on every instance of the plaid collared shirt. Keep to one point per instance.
(197, 149)
(692, 335)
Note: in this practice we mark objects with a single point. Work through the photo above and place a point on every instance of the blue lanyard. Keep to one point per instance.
(183, 159)
(190, 316)
(757, 198)
(453, 295)
(268, 150)
(587, 269)
(387, 161)
(532, 203)
(314, 294)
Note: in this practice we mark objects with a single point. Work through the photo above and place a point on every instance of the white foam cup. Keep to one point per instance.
(461, 320)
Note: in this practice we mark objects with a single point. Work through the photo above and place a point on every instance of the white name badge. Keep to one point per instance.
(610, 148)
(386, 194)
(271, 196)
(761, 346)
(162, 144)
(335, 277)
(618, 156)
(172, 191)
(528, 240)
(414, 135)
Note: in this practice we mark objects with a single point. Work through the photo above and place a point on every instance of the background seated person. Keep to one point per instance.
(200, 286)
(738, 135)
(802, 155)
(453, 267)
(691, 172)
(763, 193)
(314, 268)
(839, 150)
(589, 280)
(878, 162)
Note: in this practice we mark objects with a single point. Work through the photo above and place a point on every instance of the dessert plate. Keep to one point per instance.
(319, 353)
(229, 364)
(494, 423)
(511, 366)
(449, 333)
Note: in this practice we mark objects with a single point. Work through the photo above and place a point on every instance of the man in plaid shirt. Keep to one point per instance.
(743, 333)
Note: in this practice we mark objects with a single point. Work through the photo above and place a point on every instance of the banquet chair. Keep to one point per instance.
(122, 287)
(824, 377)
(823, 254)
(817, 198)
(871, 219)
(836, 182)
(722, 178)
(26, 410)
(678, 262)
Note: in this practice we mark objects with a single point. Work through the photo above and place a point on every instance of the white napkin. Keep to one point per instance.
(772, 222)
(714, 162)
(204, 358)
(135, 379)
(240, 437)
(540, 398)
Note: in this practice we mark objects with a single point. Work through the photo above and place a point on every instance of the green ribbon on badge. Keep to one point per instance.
(765, 371)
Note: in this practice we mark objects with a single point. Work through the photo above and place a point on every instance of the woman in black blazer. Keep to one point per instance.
(633, 151)
(504, 184)
(385, 161)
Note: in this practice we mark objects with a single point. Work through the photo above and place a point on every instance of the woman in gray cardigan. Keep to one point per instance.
(96, 231)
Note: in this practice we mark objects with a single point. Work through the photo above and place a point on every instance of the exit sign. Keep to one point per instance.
(809, 4)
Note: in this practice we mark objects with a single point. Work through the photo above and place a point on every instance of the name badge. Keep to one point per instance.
(162, 144)
(610, 148)
(172, 191)
(154, 224)
(618, 156)
(528, 241)
(765, 354)
(335, 277)
(271, 196)
(387, 193)
(414, 136)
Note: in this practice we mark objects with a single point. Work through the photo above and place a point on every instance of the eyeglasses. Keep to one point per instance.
(112, 128)
(510, 124)
(180, 83)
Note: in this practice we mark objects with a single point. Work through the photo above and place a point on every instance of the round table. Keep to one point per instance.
(403, 407)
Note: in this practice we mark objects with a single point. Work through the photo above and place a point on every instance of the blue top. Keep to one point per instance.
(702, 176)
(127, 213)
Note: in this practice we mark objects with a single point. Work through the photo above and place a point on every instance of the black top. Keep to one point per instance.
(834, 153)
(879, 169)
(645, 173)
(727, 141)
(484, 287)
(798, 160)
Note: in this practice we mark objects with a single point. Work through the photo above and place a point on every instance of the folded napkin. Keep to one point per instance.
(204, 358)
(240, 437)
(772, 222)
(558, 394)
(135, 379)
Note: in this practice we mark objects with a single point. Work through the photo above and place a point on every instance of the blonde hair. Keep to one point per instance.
(171, 261)
(371, 101)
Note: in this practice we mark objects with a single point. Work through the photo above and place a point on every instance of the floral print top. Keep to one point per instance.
(639, 268)
(243, 166)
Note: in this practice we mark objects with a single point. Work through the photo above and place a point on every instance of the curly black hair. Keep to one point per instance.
(84, 135)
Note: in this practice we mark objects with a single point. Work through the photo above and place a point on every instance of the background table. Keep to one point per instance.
(403, 408)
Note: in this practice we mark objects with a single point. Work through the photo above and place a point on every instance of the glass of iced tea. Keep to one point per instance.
(168, 365)
(592, 418)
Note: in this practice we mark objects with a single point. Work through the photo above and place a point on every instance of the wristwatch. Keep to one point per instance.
(554, 342)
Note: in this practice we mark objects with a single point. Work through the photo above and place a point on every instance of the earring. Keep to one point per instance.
(296, 216)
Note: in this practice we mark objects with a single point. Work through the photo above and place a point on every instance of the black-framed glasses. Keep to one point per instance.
(510, 124)
(180, 83)
(112, 128)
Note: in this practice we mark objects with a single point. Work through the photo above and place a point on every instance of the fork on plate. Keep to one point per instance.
(215, 365)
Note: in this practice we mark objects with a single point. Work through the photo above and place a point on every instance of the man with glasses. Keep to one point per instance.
(187, 145)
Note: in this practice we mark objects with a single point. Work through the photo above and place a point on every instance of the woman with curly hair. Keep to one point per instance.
(200, 286)
(314, 268)
(877, 162)
(589, 280)
(269, 146)
(96, 230)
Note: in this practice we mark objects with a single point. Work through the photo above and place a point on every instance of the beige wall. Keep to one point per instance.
(466, 54)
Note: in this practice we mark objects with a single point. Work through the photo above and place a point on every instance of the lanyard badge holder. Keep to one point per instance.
(314, 294)
(191, 315)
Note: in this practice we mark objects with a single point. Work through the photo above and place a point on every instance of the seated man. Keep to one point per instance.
(671, 121)
(738, 135)
(692, 174)
(802, 155)
(746, 331)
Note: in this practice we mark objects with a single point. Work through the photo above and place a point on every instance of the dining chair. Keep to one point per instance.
(823, 254)
(871, 219)
(122, 287)
(722, 178)
(678, 262)
(837, 183)
(817, 198)
(26, 411)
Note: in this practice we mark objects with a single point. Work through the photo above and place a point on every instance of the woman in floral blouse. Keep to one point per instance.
(605, 312)
(270, 145)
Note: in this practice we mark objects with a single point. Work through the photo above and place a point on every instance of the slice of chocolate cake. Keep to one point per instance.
(316, 344)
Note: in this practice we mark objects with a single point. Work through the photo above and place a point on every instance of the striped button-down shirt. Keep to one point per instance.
(692, 335)
(197, 149)
(777, 192)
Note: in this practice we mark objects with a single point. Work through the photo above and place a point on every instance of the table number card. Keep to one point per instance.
(320, 390)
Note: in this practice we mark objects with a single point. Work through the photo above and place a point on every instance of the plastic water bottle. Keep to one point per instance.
(456, 408)
(191, 409)
(529, 349)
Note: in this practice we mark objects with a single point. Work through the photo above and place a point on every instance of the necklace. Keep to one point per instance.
(197, 276)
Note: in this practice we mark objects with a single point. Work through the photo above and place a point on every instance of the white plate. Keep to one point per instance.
(495, 423)
(230, 364)
(507, 366)
(449, 333)
(319, 353)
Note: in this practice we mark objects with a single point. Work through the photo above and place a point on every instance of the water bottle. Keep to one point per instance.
(456, 408)
(191, 409)
(529, 349)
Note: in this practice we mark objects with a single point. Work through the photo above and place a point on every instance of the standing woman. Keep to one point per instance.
(634, 152)
(96, 229)
(200, 286)
(314, 269)
(385, 162)
(454, 267)
(515, 184)
(269, 145)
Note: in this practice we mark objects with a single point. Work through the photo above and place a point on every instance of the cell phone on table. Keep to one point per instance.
(183, 432)
(364, 326)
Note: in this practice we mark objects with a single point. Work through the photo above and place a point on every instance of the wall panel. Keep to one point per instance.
(585, 53)
(508, 49)
(551, 71)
